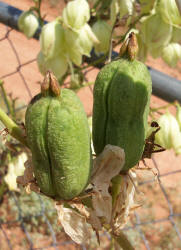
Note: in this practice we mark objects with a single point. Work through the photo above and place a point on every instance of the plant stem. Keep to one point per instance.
(131, 26)
(110, 40)
(3, 189)
(97, 61)
(96, 4)
(37, 8)
(8, 104)
(162, 107)
(123, 241)
(13, 129)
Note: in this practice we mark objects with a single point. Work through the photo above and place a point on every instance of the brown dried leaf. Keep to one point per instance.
(90, 216)
(125, 200)
(94, 221)
(107, 165)
(3, 133)
(74, 224)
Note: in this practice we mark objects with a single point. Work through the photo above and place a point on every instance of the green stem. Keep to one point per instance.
(3, 189)
(112, 244)
(123, 241)
(96, 4)
(110, 40)
(88, 84)
(37, 9)
(163, 107)
(13, 129)
(152, 116)
(131, 26)
(8, 104)
(39, 13)
(115, 190)
(99, 60)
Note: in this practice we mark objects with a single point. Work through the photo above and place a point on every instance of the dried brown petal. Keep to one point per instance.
(74, 224)
(125, 201)
(107, 165)
(90, 216)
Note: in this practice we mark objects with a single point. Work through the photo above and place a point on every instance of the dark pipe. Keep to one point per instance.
(164, 86)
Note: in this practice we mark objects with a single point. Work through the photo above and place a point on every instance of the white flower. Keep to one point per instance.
(52, 39)
(102, 31)
(15, 169)
(81, 41)
(58, 64)
(155, 34)
(114, 10)
(169, 136)
(169, 12)
(171, 54)
(126, 7)
(76, 14)
(86, 40)
(28, 23)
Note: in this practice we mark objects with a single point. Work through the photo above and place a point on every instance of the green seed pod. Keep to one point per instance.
(121, 104)
(59, 138)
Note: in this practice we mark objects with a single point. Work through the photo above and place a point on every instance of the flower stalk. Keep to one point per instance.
(13, 129)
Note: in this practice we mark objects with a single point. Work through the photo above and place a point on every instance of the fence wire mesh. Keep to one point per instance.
(145, 229)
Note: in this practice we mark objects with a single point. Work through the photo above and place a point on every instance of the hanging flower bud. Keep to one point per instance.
(52, 39)
(58, 64)
(155, 34)
(126, 7)
(169, 12)
(171, 54)
(76, 14)
(81, 41)
(169, 136)
(28, 23)
(86, 40)
(114, 11)
(102, 30)
(75, 56)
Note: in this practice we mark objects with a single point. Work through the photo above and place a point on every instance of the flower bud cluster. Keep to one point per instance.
(66, 39)
(63, 40)
(160, 31)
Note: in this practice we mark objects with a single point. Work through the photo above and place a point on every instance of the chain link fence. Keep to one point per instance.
(30, 222)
